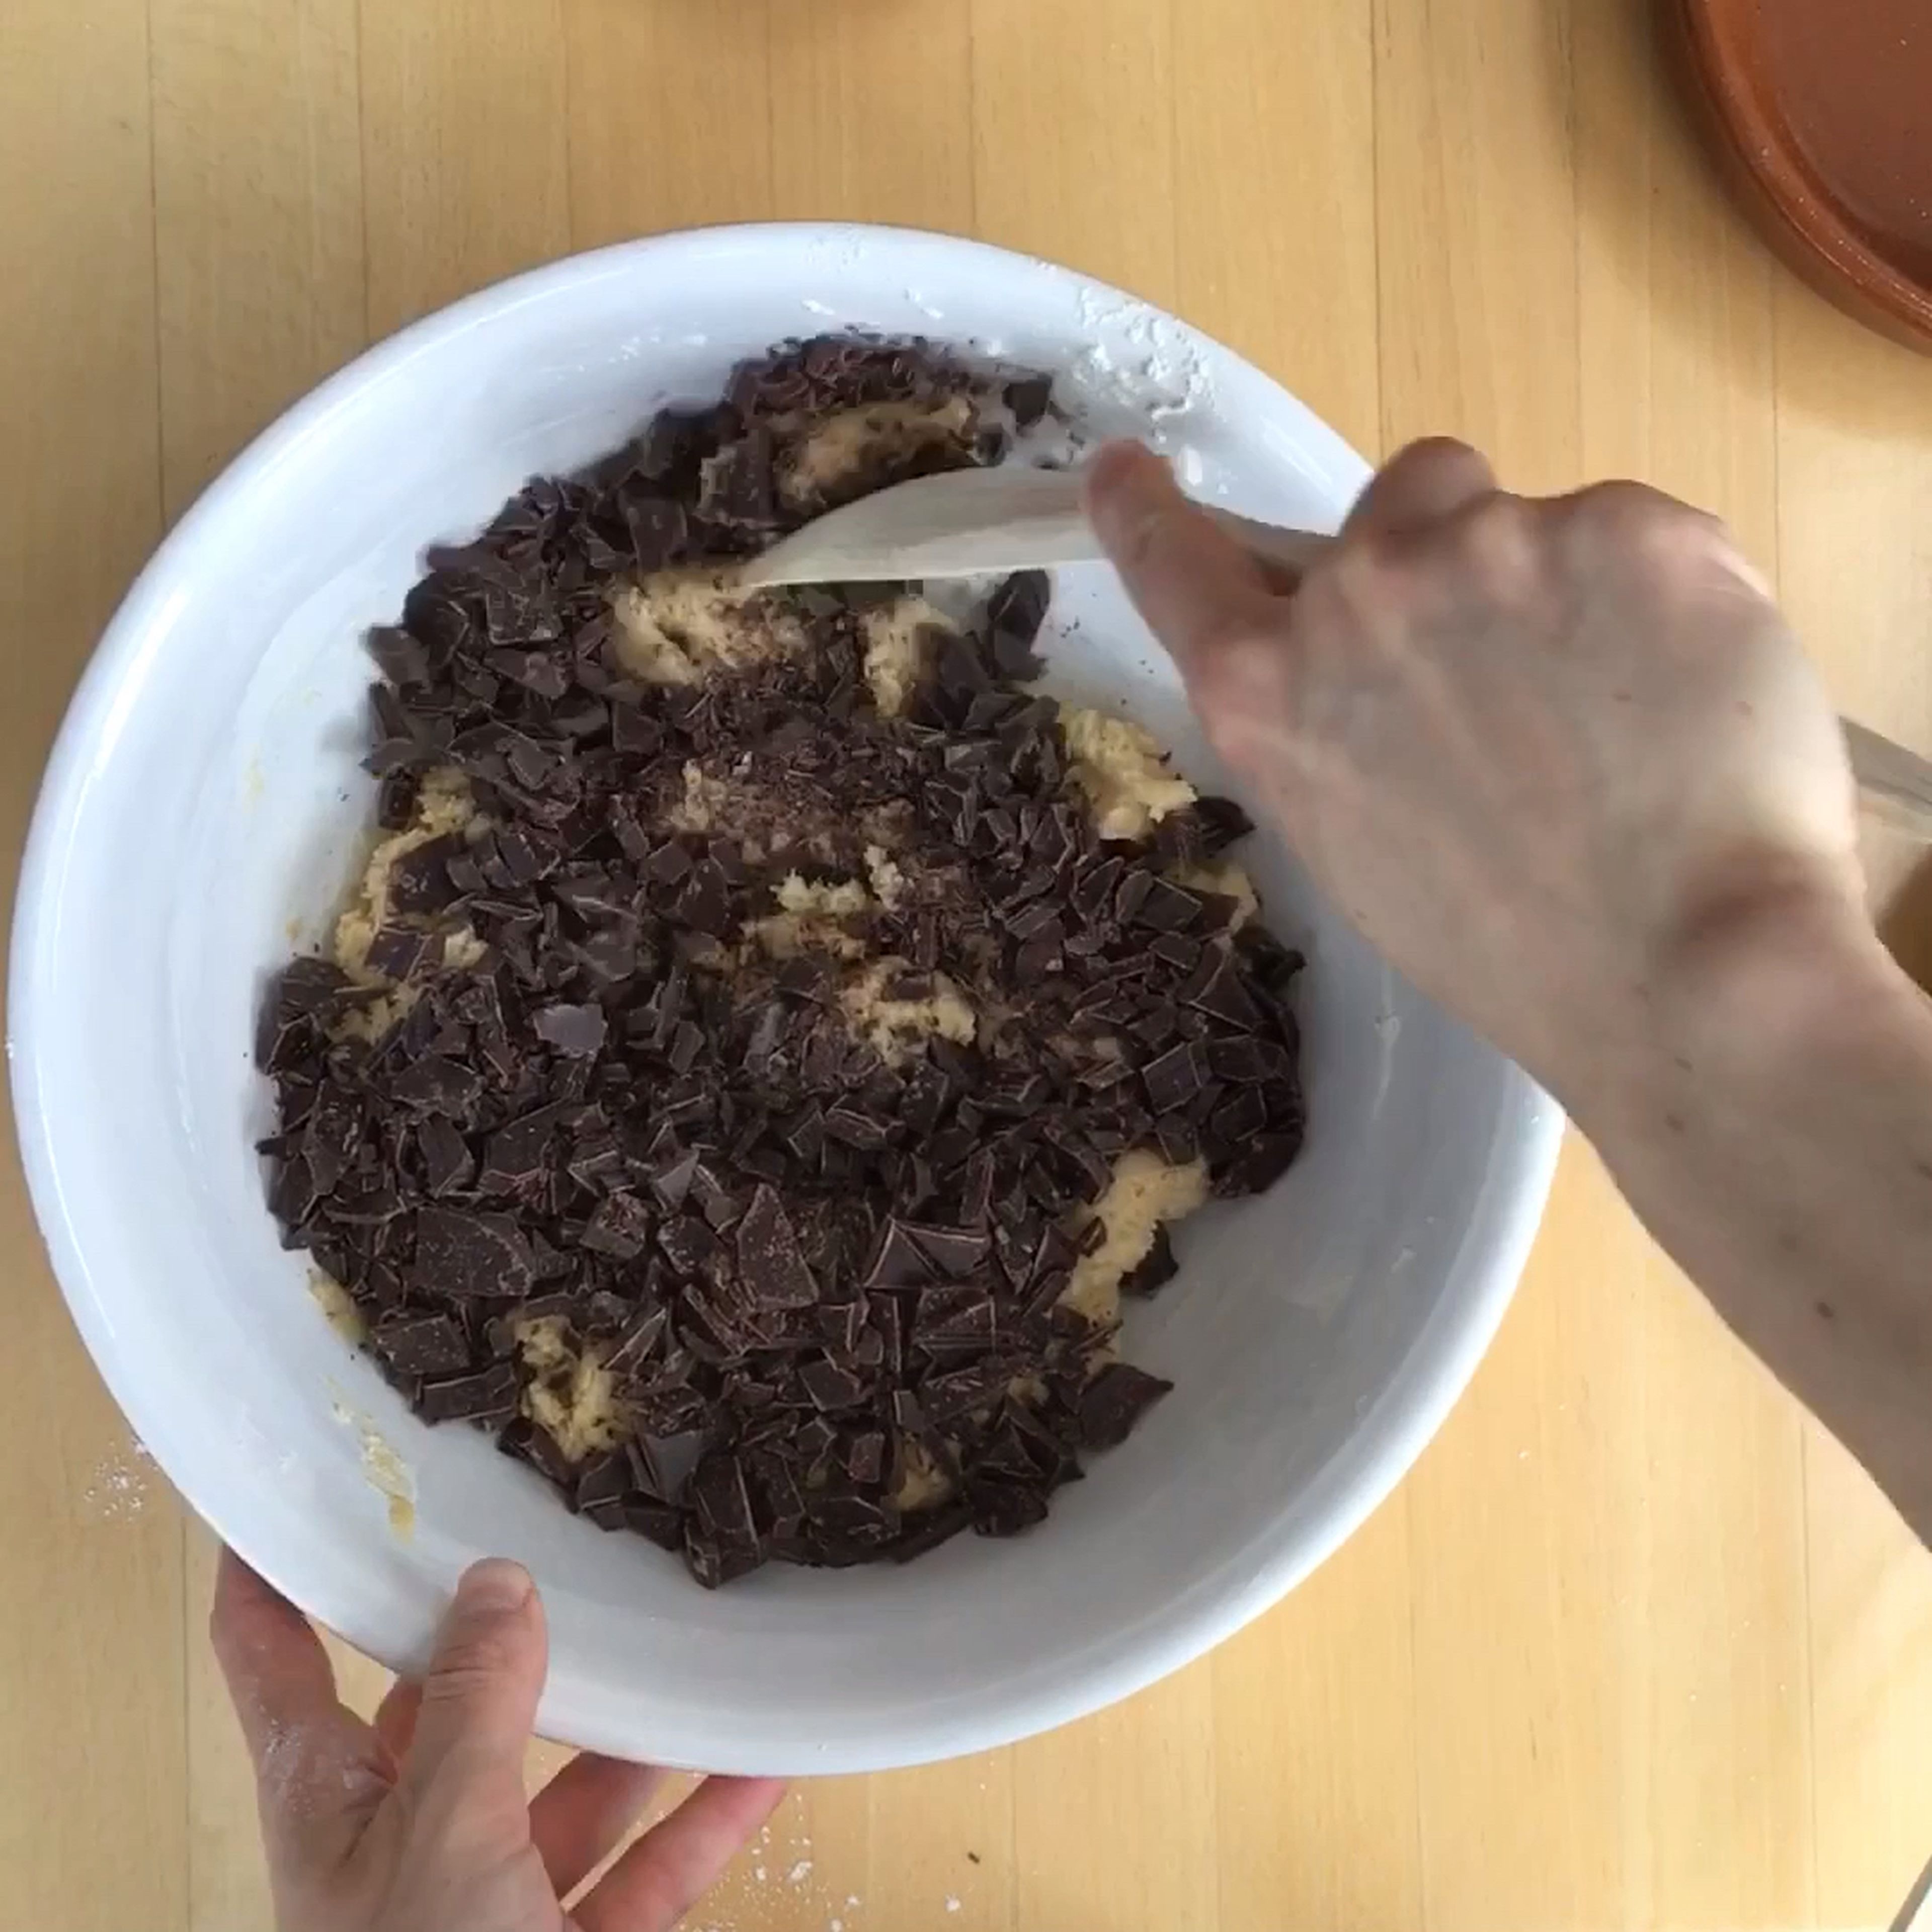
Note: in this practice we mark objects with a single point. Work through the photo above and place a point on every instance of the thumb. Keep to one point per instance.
(480, 1694)
(320, 1772)
(1198, 589)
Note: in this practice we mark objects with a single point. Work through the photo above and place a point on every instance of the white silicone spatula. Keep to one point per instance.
(974, 523)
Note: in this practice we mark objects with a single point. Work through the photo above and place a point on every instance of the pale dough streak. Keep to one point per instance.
(444, 807)
(679, 626)
(574, 1397)
(841, 449)
(811, 917)
(1122, 771)
(897, 649)
(1145, 1191)
(894, 1027)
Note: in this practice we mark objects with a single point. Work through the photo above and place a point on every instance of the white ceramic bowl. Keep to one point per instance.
(204, 805)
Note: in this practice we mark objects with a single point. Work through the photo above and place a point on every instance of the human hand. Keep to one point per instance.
(418, 1822)
(1552, 757)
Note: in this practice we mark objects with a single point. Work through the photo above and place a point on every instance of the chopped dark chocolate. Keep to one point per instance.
(1173, 1078)
(620, 1227)
(770, 1261)
(490, 1395)
(818, 1247)
(421, 1345)
(1114, 1401)
(462, 1257)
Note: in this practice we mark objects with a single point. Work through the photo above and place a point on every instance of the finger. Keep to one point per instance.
(579, 1818)
(674, 1864)
(395, 1720)
(317, 1765)
(479, 1696)
(1420, 486)
(1195, 585)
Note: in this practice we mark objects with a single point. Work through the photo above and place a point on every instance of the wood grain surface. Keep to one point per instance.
(1635, 1646)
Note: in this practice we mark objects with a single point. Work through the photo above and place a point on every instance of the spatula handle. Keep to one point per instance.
(1894, 781)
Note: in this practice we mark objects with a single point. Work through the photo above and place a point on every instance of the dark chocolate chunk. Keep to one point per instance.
(1028, 397)
(1156, 1271)
(830, 1385)
(402, 658)
(661, 1522)
(671, 1182)
(1114, 1401)
(397, 951)
(959, 1391)
(419, 880)
(421, 1345)
(605, 1478)
(662, 1464)
(464, 1257)
(954, 1252)
(1216, 988)
(898, 1261)
(848, 1124)
(1173, 1078)
(620, 1227)
(688, 1245)
(1005, 1509)
(490, 1395)
(447, 1162)
(705, 903)
(770, 1261)
(1261, 1165)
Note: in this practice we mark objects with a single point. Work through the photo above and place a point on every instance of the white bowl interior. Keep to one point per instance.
(206, 809)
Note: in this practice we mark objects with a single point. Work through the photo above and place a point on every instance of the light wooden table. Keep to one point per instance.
(1635, 1646)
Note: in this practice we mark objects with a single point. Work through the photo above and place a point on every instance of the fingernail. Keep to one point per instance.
(494, 1587)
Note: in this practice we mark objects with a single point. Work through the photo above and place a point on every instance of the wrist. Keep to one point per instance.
(1742, 1014)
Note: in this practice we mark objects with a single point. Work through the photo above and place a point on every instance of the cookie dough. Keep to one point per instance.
(894, 1020)
(1122, 769)
(1145, 1192)
(844, 455)
(681, 626)
(899, 637)
(573, 1396)
(822, 1030)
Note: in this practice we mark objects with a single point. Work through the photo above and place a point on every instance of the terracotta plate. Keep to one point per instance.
(1821, 111)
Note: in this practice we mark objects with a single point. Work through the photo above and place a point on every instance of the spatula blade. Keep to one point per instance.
(967, 523)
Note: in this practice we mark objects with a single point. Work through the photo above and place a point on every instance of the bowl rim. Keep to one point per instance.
(1794, 208)
(1391, 1435)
